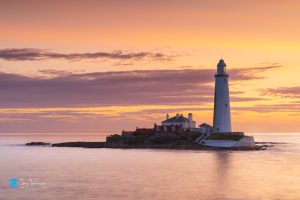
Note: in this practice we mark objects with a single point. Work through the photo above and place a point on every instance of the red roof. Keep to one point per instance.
(145, 130)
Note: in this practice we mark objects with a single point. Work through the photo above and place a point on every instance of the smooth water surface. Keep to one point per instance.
(110, 174)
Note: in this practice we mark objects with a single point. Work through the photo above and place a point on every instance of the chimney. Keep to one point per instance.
(167, 117)
(190, 117)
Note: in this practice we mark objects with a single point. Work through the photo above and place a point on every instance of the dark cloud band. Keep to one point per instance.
(165, 87)
(32, 54)
(288, 92)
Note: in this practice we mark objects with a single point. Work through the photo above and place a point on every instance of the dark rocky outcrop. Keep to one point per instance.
(81, 144)
(176, 145)
(38, 144)
(158, 141)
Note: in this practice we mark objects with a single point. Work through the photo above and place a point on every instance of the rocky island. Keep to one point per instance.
(181, 132)
(139, 140)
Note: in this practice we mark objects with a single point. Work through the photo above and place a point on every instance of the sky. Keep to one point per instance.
(105, 66)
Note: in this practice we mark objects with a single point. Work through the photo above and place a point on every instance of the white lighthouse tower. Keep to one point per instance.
(222, 118)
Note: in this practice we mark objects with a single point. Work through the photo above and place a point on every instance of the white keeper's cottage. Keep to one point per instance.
(180, 120)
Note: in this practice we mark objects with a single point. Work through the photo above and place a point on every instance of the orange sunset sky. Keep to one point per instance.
(107, 65)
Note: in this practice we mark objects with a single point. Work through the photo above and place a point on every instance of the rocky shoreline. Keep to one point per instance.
(38, 144)
(182, 146)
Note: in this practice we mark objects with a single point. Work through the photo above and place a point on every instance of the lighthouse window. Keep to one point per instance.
(224, 79)
(226, 105)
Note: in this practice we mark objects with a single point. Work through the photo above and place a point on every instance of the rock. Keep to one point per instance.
(80, 144)
(37, 144)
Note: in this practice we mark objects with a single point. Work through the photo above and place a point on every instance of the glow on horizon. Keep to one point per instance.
(194, 33)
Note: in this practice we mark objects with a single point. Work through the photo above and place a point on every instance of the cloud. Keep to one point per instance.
(32, 54)
(269, 108)
(286, 92)
(164, 87)
(55, 73)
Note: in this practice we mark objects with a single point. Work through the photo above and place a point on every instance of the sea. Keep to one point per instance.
(62, 173)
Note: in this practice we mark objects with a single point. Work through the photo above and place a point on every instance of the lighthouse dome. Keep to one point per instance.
(221, 63)
(221, 67)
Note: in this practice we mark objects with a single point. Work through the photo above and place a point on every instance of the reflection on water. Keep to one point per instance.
(222, 164)
(76, 173)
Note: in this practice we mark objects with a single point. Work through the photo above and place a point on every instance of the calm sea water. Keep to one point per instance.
(110, 174)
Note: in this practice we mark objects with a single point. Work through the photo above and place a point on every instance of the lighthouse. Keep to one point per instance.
(222, 118)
